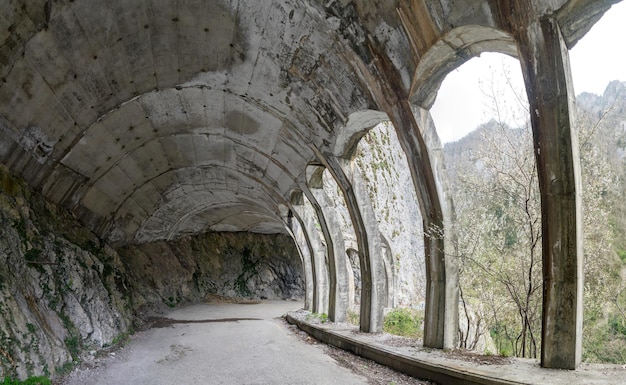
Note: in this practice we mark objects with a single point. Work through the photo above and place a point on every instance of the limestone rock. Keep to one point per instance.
(228, 264)
(55, 296)
(382, 165)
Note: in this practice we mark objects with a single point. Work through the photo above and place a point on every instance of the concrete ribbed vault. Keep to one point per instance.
(153, 119)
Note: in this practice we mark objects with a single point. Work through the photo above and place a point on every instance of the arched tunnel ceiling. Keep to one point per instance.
(153, 119)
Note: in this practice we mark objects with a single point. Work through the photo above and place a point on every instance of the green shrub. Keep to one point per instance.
(29, 381)
(604, 341)
(617, 325)
(74, 345)
(322, 317)
(404, 322)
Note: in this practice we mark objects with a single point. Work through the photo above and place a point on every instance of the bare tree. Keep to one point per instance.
(498, 225)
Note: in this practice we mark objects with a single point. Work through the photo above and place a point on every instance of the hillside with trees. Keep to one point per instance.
(498, 222)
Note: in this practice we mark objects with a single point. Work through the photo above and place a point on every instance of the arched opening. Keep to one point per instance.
(472, 90)
(381, 165)
(599, 78)
(493, 177)
(319, 256)
(303, 244)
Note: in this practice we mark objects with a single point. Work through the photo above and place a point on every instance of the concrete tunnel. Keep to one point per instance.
(152, 120)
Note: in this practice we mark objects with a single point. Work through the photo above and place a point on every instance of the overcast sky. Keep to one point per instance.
(596, 59)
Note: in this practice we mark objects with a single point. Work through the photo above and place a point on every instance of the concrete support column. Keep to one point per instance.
(441, 313)
(304, 248)
(338, 299)
(545, 65)
(373, 277)
(415, 131)
(442, 267)
(318, 259)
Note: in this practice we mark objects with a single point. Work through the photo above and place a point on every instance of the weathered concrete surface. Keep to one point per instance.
(302, 242)
(450, 368)
(318, 256)
(338, 296)
(373, 279)
(153, 120)
(546, 70)
(246, 352)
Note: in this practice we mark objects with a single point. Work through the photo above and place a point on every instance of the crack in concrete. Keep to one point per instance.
(162, 322)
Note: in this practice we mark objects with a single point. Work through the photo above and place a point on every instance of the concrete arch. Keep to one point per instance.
(421, 146)
(358, 124)
(303, 242)
(320, 265)
(338, 300)
(449, 52)
(279, 175)
(177, 194)
(366, 230)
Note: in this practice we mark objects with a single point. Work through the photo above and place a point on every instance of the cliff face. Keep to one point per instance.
(61, 291)
(381, 163)
(64, 293)
(244, 265)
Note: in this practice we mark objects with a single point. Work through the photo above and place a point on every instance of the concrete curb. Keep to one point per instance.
(441, 374)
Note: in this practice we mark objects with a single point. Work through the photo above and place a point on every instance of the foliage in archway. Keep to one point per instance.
(496, 196)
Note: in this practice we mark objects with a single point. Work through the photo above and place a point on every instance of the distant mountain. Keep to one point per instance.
(614, 97)
(590, 101)
(602, 125)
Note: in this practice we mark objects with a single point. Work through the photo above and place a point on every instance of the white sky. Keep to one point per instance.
(597, 58)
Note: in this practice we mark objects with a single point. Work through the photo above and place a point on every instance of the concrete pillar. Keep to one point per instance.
(438, 233)
(414, 128)
(545, 65)
(338, 300)
(373, 277)
(302, 243)
(318, 259)
(441, 313)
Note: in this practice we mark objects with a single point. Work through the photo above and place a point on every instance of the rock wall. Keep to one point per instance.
(61, 290)
(384, 167)
(64, 293)
(248, 265)
(381, 162)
